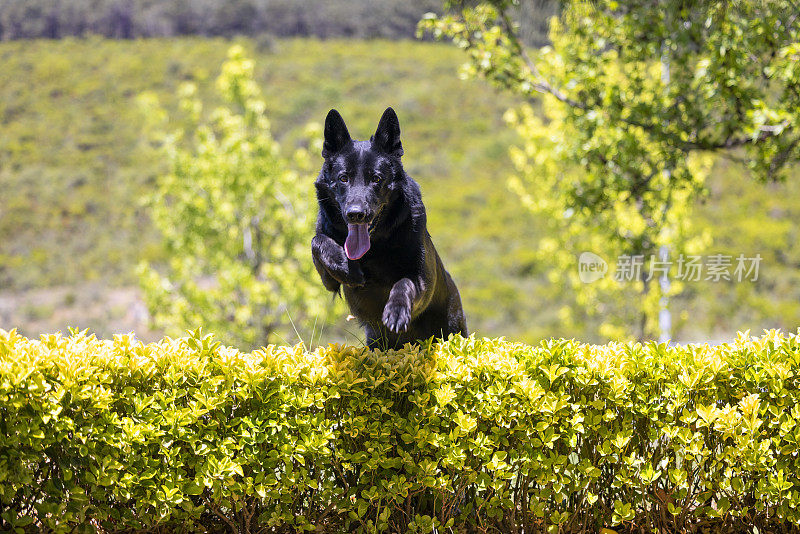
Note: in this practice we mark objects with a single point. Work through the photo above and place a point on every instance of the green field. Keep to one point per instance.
(75, 161)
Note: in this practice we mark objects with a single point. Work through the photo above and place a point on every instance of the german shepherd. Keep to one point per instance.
(372, 240)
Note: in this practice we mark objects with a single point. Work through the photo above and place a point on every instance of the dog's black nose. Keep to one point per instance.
(357, 215)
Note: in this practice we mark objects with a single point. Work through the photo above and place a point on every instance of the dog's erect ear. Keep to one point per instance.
(387, 136)
(336, 134)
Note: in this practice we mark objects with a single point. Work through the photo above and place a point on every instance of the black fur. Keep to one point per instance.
(399, 290)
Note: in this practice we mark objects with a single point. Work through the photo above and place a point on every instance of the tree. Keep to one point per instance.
(236, 221)
(627, 108)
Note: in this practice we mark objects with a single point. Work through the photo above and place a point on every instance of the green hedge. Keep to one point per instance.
(480, 435)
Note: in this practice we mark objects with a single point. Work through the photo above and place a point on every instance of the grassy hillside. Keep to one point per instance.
(74, 162)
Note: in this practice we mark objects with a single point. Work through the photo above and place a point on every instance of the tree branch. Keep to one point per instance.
(214, 508)
(540, 85)
(780, 158)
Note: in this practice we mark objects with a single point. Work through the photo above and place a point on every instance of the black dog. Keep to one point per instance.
(372, 238)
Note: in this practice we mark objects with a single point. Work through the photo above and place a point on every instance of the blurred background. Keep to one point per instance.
(90, 91)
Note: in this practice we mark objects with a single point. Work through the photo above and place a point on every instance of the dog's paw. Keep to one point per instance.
(396, 317)
(346, 271)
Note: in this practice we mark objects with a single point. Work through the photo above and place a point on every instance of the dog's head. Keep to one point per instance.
(360, 178)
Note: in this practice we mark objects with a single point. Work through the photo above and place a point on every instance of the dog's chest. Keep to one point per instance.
(367, 302)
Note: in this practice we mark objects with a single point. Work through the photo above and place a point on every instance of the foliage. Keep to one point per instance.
(128, 19)
(469, 433)
(634, 98)
(235, 221)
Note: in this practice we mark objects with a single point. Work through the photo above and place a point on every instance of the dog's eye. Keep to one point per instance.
(377, 177)
(344, 178)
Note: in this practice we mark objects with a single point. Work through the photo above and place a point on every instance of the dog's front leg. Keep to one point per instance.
(397, 313)
(332, 265)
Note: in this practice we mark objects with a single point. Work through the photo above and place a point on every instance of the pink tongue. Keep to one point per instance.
(357, 242)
